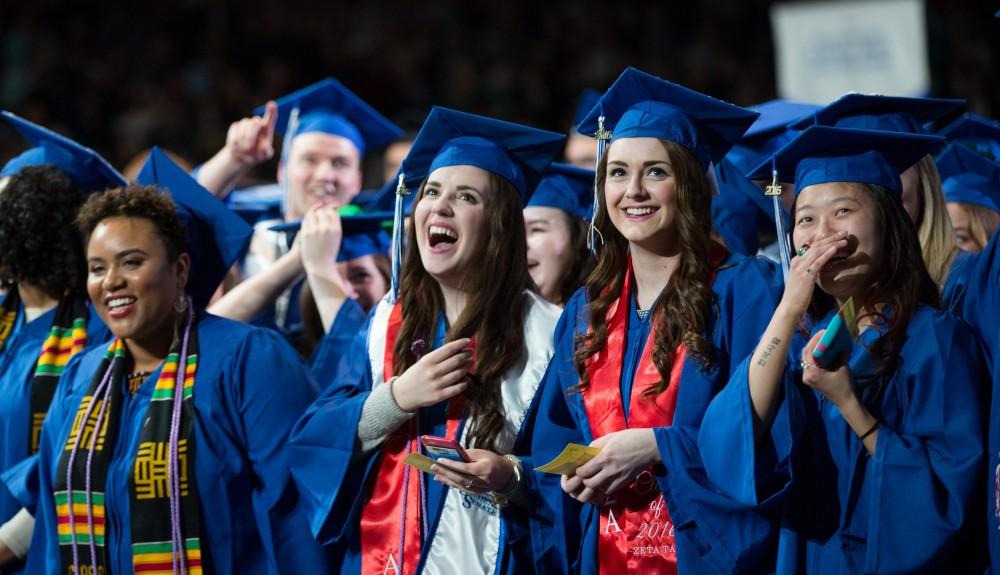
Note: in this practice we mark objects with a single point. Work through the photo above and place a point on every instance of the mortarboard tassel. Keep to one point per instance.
(774, 191)
(397, 237)
(603, 137)
(286, 146)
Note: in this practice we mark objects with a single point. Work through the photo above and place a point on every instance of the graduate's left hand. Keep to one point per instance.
(836, 384)
(624, 454)
(484, 472)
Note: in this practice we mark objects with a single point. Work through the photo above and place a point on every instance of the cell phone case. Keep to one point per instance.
(838, 340)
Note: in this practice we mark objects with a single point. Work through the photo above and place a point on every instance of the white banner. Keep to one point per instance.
(824, 49)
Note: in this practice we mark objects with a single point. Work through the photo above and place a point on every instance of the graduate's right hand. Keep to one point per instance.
(250, 141)
(804, 270)
(438, 376)
(574, 487)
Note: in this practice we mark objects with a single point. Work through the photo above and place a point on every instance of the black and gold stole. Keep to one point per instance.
(163, 499)
(67, 336)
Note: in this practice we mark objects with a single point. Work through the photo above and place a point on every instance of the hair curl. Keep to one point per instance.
(38, 243)
(137, 201)
(682, 314)
(494, 313)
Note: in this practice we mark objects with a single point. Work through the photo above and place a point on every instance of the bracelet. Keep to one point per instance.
(515, 477)
(392, 395)
(873, 429)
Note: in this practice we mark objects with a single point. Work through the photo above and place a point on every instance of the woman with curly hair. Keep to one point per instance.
(457, 353)
(652, 336)
(873, 449)
(44, 318)
(165, 451)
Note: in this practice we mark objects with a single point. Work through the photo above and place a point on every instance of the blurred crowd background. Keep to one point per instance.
(121, 77)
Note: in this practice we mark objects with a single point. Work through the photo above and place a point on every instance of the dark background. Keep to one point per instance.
(120, 78)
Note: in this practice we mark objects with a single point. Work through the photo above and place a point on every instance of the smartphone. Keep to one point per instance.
(440, 447)
(835, 345)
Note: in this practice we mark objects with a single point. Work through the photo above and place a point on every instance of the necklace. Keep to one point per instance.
(642, 313)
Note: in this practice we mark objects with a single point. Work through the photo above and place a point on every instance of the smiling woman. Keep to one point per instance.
(645, 344)
(177, 389)
(457, 351)
(853, 450)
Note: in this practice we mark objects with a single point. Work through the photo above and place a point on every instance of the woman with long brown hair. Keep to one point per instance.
(873, 448)
(652, 336)
(456, 351)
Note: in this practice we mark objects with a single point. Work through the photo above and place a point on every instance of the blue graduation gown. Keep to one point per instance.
(713, 533)
(976, 299)
(325, 359)
(335, 476)
(17, 369)
(913, 506)
(249, 390)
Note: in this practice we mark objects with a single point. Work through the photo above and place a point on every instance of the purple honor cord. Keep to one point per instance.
(98, 392)
(179, 558)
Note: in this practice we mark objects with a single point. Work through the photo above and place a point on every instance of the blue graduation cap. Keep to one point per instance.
(975, 132)
(641, 105)
(969, 178)
(768, 133)
(85, 167)
(569, 188)
(740, 210)
(516, 153)
(827, 154)
(364, 234)
(217, 237)
(329, 107)
(584, 104)
(874, 112)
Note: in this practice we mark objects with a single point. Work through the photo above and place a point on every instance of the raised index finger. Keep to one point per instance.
(271, 118)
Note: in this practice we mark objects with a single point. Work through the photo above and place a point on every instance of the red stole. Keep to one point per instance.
(636, 534)
(393, 521)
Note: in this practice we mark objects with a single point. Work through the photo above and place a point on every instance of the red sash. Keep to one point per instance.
(393, 520)
(636, 534)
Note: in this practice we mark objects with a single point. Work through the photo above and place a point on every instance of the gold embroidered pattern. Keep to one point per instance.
(88, 429)
(152, 469)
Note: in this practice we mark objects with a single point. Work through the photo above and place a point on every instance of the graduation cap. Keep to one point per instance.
(514, 152)
(329, 107)
(874, 112)
(768, 133)
(217, 237)
(85, 167)
(975, 132)
(363, 234)
(740, 210)
(827, 154)
(639, 105)
(969, 178)
(569, 188)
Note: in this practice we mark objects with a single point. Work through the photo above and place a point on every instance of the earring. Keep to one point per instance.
(180, 306)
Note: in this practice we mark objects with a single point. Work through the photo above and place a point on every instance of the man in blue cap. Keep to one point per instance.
(327, 130)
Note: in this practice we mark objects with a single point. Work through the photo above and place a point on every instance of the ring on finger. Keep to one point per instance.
(468, 484)
(802, 250)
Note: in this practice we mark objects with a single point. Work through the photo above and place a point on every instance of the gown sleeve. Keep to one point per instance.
(325, 455)
(326, 357)
(925, 473)
(723, 532)
(557, 522)
(273, 389)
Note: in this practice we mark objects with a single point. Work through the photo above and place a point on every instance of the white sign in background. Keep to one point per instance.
(825, 49)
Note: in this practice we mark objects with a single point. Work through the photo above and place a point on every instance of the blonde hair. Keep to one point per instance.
(983, 222)
(934, 231)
